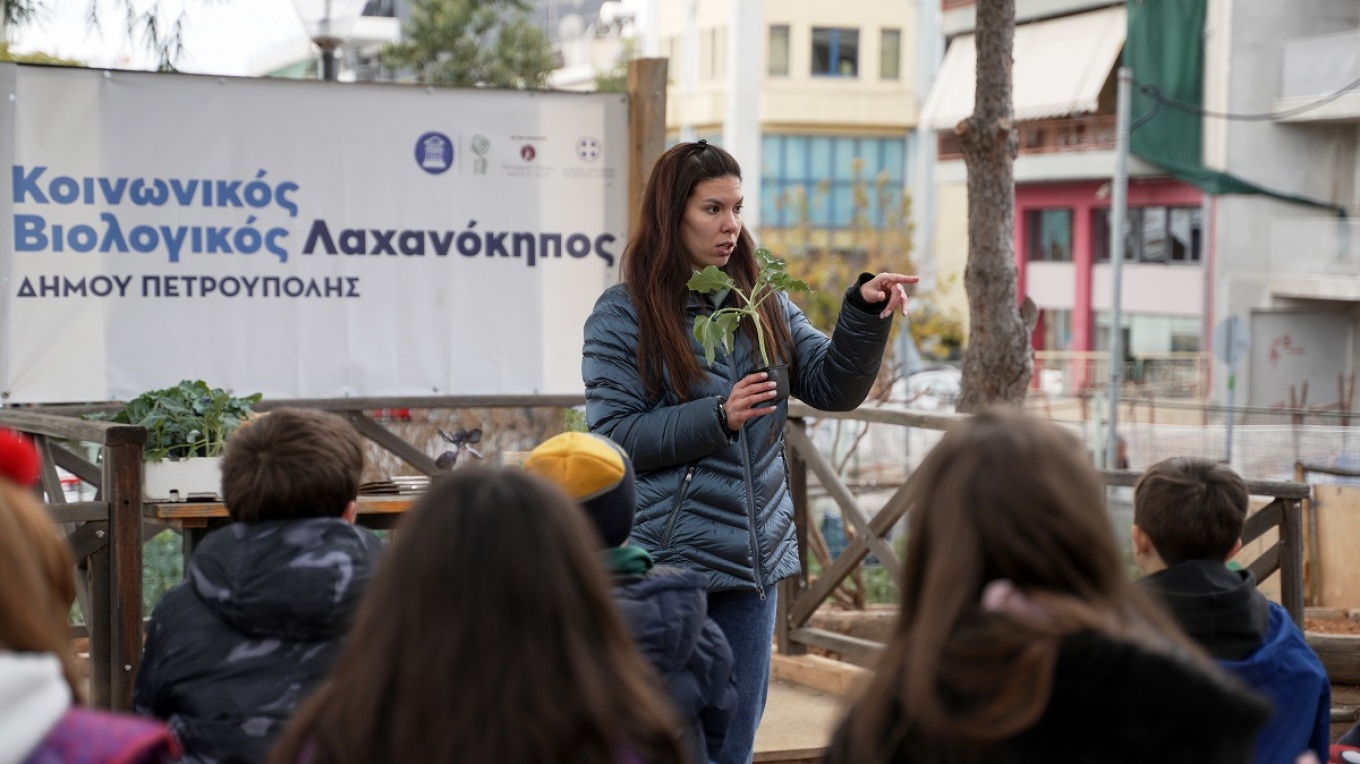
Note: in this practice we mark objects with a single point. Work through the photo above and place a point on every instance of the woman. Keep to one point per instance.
(40, 720)
(1021, 637)
(488, 635)
(708, 449)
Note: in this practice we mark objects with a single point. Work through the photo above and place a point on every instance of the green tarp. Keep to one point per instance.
(1165, 50)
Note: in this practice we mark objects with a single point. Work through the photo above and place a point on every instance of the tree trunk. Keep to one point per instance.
(998, 363)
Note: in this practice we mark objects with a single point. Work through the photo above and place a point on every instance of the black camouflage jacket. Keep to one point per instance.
(255, 626)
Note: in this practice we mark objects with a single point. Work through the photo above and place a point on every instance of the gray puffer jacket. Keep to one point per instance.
(707, 502)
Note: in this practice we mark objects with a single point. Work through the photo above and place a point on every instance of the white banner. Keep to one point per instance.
(300, 239)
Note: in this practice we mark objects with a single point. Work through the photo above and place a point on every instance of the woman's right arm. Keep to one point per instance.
(617, 405)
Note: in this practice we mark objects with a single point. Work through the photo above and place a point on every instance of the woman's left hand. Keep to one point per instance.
(889, 286)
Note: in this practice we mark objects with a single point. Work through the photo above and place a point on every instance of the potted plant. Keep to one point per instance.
(186, 430)
(720, 327)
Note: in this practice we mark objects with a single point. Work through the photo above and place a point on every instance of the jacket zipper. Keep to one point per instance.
(679, 502)
(751, 519)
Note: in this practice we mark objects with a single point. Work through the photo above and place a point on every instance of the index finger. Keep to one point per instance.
(901, 278)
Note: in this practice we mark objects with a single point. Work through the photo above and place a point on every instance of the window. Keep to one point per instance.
(1184, 234)
(835, 52)
(890, 54)
(818, 180)
(1048, 235)
(1151, 235)
(1146, 334)
(718, 49)
(1056, 329)
(779, 51)
(706, 55)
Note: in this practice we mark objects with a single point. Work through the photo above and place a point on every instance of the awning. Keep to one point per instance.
(1060, 66)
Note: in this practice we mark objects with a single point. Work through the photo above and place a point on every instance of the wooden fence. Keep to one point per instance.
(801, 596)
(106, 534)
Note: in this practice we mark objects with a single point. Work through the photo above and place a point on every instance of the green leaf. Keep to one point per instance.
(710, 279)
(720, 328)
(708, 335)
(189, 419)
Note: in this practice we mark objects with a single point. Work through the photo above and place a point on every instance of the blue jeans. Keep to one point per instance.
(748, 623)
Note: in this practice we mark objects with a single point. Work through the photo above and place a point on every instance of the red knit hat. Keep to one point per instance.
(18, 458)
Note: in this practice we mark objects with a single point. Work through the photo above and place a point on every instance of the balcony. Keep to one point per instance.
(1317, 67)
(1315, 258)
(1315, 245)
(1049, 136)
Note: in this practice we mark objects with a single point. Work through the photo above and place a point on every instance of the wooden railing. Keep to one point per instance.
(1093, 132)
(800, 597)
(107, 534)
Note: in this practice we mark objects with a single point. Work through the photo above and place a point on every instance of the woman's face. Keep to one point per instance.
(712, 221)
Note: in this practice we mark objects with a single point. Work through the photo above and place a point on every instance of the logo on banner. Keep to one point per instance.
(587, 149)
(480, 145)
(530, 164)
(434, 152)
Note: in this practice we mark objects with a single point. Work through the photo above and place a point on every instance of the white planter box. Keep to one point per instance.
(184, 480)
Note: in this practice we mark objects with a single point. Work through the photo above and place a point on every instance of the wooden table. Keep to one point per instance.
(196, 518)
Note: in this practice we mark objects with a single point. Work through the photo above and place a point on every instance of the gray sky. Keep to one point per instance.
(231, 37)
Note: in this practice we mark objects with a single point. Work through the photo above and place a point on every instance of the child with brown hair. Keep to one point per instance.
(1188, 514)
(266, 601)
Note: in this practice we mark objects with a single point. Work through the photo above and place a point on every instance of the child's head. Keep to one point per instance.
(594, 471)
(1187, 508)
(291, 464)
(1004, 495)
(37, 579)
(1009, 551)
(492, 615)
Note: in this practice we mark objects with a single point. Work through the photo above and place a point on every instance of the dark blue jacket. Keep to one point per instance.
(1288, 673)
(707, 502)
(667, 614)
(1254, 639)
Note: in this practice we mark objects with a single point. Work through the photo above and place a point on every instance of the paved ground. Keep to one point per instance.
(798, 722)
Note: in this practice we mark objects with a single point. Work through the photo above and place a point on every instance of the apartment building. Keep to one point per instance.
(817, 100)
(1252, 218)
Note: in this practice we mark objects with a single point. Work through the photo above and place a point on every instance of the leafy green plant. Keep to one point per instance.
(187, 420)
(720, 327)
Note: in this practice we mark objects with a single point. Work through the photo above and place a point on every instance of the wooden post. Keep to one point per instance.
(1291, 560)
(646, 126)
(1311, 570)
(97, 624)
(123, 489)
(790, 589)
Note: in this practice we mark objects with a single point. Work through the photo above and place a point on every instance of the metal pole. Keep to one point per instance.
(328, 69)
(1232, 392)
(1118, 212)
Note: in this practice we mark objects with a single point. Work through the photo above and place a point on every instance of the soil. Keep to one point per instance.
(1331, 626)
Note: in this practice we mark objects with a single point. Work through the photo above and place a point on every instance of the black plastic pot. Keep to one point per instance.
(779, 374)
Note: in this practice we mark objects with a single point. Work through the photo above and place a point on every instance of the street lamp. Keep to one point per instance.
(328, 23)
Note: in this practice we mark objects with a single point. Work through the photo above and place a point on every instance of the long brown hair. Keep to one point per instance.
(656, 269)
(488, 635)
(1003, 496)
(37, 582)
